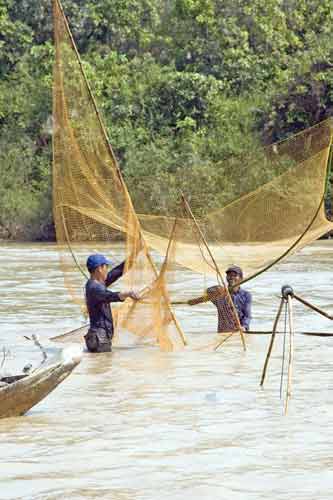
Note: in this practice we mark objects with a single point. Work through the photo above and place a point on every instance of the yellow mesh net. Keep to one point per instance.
(228, 319)
(267, 219)
(260, 227)
(91, 202)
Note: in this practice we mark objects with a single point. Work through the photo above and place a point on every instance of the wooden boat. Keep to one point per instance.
(19, 393)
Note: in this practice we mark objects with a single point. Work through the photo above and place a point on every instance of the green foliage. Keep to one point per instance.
(188, 90)
(306, 101)
(24, 189)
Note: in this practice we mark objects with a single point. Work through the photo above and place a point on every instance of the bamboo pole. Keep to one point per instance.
(271, 342)
(297, 297)
(311, 306)
(291, 352)
(189, 211)
(223, 340)
(283, 350)
(180, 331)
(314, 334)
(110, 149)
(4, 354)
(69, 334)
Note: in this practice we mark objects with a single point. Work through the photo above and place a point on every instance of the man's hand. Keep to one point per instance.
(132, 295)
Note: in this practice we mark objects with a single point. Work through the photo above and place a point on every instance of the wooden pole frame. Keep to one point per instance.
(291, 352)
(311, 306)
(286, 300)
(270, 347)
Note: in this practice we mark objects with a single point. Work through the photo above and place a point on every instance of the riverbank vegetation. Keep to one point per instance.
(184, 86)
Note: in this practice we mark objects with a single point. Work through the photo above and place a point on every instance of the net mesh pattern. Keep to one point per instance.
(268, 218)
(276, 219)
(91, 203)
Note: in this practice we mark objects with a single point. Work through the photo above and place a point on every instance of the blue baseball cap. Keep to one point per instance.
(235, 269)
(96, 260)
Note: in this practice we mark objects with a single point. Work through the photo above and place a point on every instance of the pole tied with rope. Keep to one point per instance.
(288, 296)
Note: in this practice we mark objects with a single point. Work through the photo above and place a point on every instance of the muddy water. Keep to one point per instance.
(138, 424)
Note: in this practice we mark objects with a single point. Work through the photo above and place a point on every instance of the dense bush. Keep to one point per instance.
(187, 89)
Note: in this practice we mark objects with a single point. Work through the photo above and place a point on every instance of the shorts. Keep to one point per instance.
(98, 340)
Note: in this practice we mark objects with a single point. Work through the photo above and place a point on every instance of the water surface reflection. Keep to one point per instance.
(141, 424)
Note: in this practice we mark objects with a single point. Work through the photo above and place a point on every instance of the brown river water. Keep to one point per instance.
(139, 424)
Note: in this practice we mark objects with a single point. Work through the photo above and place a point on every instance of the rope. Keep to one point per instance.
(283, 348)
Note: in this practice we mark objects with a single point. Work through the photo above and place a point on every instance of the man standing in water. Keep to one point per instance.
(98, 299)
(241, 298)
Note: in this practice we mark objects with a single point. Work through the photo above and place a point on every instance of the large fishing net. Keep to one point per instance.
(260, 227)
(91, 203)
(277, 206)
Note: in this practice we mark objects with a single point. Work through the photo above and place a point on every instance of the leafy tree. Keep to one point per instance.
(188, 89)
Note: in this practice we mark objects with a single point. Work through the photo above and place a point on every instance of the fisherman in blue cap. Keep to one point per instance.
(98, 299)
(241, 298)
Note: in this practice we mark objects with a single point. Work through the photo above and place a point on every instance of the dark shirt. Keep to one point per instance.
(98, 299)
(242, 301)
